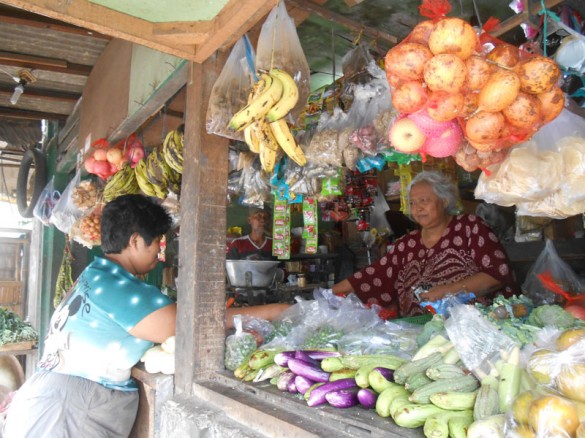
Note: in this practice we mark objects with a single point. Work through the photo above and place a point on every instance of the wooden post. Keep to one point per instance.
(201, 282)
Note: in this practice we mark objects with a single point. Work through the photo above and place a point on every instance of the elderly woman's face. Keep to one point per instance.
(426, 208)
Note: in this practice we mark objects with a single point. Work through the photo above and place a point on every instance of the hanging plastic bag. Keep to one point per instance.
(239, 346)
(279, 47)
(231, 89)
(46, 203)
(549, 265)
(87, 230)
(66, 213)
(324, 148)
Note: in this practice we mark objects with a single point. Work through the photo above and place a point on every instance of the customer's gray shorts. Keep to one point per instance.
(60, 406)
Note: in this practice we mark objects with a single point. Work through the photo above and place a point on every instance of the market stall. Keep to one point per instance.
(336, 156)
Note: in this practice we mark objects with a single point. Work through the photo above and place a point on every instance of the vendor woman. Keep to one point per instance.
(448, 254)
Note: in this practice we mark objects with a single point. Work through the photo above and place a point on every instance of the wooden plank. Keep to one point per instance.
(516, 20)
(236, 18)
(17, 346)
(201, 295)
(183, 33)
(42, 63)
(52, 95)
(8, 113)
(158, 99)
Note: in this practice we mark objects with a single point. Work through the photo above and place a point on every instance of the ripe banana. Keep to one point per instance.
(142, 180)
(287, 142)
(267, 158)
(251, 139)
(264, 134)
(258, 107)
(123, 182)
(290, 95)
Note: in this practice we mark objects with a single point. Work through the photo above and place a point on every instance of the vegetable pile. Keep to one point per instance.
(13, 329)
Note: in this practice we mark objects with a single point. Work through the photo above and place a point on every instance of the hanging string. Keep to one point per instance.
(274, 34)
(476, 10)
(333, 67)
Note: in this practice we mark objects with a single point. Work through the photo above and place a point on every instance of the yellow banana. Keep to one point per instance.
(290, 95)
(142, 180)
(251, 139)
(267, 158)
(287, 142)
(264, 134)
(258, 107)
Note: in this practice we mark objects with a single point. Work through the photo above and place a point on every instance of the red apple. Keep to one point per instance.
(406, 136)
(101, 167)
(89, 164)
(114, 156)
(135, 154)
(100, 154)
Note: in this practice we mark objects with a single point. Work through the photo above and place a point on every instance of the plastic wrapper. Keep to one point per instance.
(66, 213)
(396, 338)
(231, 89)
(544, 176)
(257, 327)
(547, 272)
(239, 346)
(46, 202)
(324, 147)
(322, 322)
(444, 305)
(87, 230)
(370, 99)
(478, 341)
(554, 407)
(85, 195)
(355, 62)
(279, 46)
(255, 186)
(470, 159)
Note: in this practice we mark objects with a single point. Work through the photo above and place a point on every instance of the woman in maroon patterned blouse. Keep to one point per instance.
(449, 253)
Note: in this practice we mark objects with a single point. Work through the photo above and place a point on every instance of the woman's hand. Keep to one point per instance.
(436, 292)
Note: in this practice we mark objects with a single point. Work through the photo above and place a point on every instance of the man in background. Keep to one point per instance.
(254, 246)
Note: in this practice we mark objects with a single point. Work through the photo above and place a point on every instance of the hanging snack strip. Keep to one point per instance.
(281, 229)
(404, 172)
(310, 230)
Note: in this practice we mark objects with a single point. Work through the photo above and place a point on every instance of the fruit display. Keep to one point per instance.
(263, 119)
(87, 230)
(494, 94)
(105, 160)
(121, 183)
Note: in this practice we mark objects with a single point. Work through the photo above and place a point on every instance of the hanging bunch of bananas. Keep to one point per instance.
(123, 182)
(262, 119)
(153, 174)
(173, 149)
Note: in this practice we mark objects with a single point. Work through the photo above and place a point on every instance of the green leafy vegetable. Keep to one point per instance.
(13, 329)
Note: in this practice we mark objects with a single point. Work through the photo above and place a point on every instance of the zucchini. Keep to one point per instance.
(379, 379)
(414, 415)
(387, 396)
(417, 380)
(437, 425)
(344, 373)
(331, 364)
(509, 385)
(486, 403)
(454, 401)
(458, 426)
(444, 371)
(437, 344)
(462, 384)
(491, 427)
(380, 360)
(416, 366)
(261, 358)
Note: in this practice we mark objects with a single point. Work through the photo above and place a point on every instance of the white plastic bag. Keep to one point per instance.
(66, 213)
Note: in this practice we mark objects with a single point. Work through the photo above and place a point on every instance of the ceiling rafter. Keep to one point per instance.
(7, 113)
(42, 63)
(43, 94)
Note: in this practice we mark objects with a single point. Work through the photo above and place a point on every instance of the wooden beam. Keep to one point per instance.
(516, 20)
(42, 63)
(37, 21)
(235, 19)
(9, 113)
(344, 21)
(183, 33)
(43, 94)
(100, 19)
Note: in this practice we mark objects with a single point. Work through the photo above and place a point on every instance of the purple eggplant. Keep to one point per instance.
(284, 379)
(321, 354)
(317, 396)
(367, 398)
(344, 398)
(303, 384)
(292, 388)
(283, 357)
(387, 373)
(308, 370)
(300, 354)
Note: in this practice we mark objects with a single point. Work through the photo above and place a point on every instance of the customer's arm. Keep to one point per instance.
(267, 311)
(158, 326)
(344, 287)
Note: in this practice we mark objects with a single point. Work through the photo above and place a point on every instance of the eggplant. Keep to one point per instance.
(308, 370)
(283, 357)
(292, 388)
(321, 354)
(317, 396)
(387, 373)
(367, 398)
(303, 384)
(300, 354)
(284, 379)
(344, 398)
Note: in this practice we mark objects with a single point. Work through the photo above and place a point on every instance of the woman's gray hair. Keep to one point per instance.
(443, 187)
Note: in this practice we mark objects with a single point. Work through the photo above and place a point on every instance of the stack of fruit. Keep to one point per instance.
(443, 80)
(104, 160)
(262, 119)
